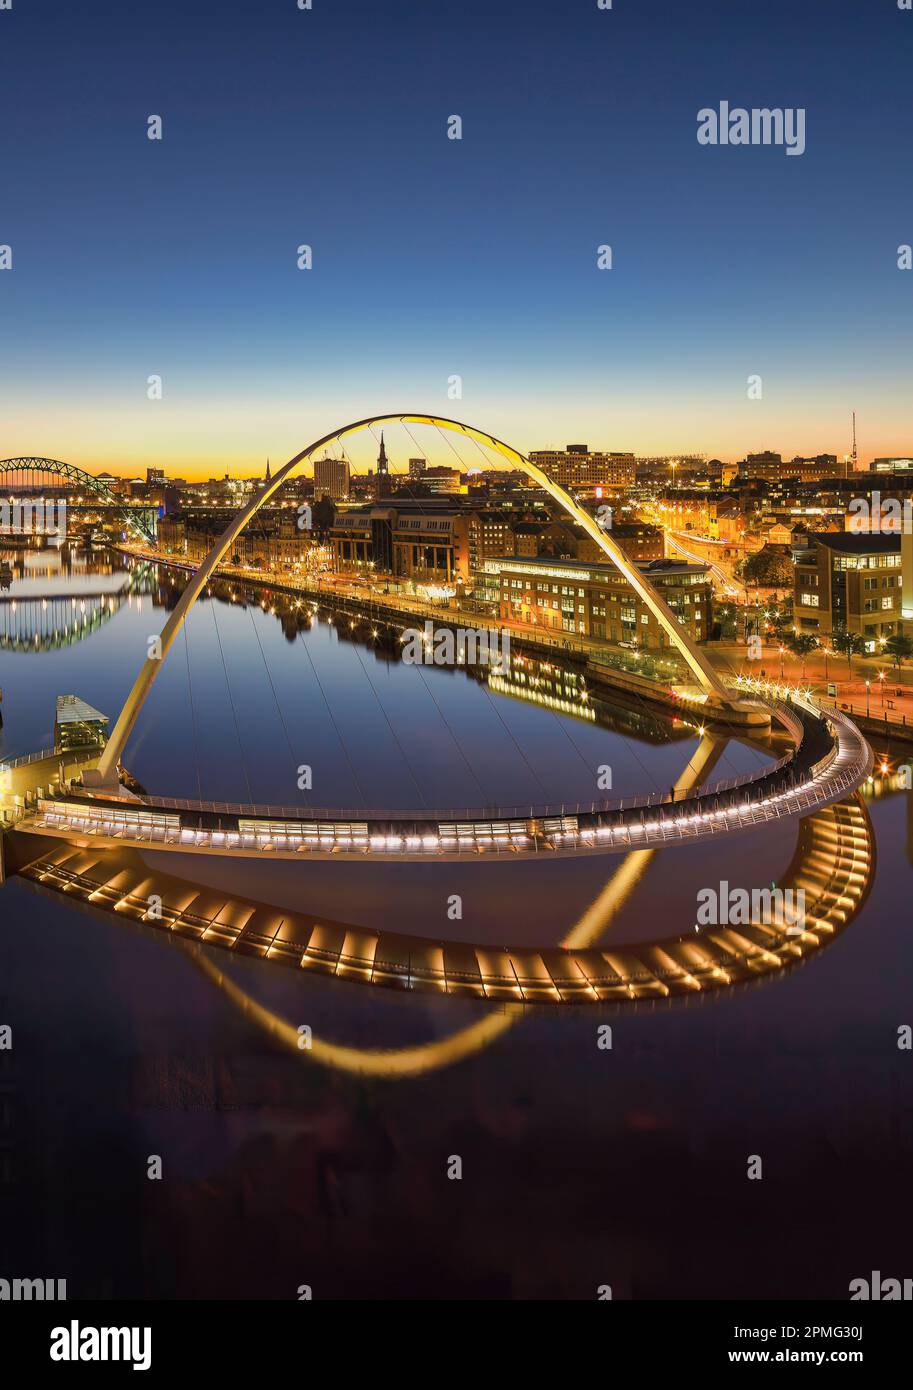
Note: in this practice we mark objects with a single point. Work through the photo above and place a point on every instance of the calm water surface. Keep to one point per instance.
(581, 1166)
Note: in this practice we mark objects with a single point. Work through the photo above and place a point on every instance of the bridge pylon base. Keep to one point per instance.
(738, 712)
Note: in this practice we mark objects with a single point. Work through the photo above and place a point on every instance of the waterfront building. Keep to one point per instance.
(852, 581)
(78, 725)
(490, 533)
(595, 600)
(426, 544)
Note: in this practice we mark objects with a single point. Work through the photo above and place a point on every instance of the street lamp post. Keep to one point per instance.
(782, 652)
(868, 691)
(882, 677)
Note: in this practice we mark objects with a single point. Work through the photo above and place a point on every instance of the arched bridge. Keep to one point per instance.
(17, 474)
(710, 682)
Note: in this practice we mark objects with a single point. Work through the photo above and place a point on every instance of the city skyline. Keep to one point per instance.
(361, 457)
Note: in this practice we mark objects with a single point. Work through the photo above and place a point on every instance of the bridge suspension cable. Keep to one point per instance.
(329, 709)
(193, 717)
(231, 701)
(276, 700)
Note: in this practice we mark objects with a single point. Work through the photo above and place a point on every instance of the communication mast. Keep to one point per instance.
(854, 441)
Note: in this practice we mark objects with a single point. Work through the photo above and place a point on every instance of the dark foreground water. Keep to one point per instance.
(581, 1166)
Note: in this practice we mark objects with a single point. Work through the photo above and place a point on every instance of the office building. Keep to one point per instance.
(597, 601)
(331, 479)
(849, 581)
(577, 469)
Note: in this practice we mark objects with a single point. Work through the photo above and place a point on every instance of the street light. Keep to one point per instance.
(868, 690)
(882, 677)
(782, 651)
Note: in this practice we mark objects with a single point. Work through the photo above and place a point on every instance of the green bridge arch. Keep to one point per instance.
(71, 474)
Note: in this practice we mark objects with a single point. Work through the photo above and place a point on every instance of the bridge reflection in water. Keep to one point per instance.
(47, 622)
(833, 864)
(400, 1063)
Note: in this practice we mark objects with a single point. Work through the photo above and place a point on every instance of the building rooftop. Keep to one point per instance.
(857, 542)
(72, 710)
(651, 569)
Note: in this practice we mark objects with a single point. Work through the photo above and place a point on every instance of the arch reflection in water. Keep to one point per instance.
(48, 622)
(833, 864)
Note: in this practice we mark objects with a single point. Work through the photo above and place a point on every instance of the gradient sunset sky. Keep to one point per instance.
(434, 257)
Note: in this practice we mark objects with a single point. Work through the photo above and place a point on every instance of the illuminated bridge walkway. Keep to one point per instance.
(833, 864)
(830, 759)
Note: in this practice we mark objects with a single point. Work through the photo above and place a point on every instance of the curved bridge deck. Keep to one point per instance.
(832, 760)
(833, 865)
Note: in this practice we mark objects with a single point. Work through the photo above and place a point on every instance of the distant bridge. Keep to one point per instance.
(25, 476)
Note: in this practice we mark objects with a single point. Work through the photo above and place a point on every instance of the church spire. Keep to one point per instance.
(268, 477)
(382, 456)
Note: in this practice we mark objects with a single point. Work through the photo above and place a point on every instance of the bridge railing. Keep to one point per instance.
(640, 801)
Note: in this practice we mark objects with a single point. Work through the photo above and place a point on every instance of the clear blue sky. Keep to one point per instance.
(435, 257)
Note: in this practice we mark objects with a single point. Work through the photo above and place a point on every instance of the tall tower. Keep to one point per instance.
(268, 477)
(382, 479)
(854, 441)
